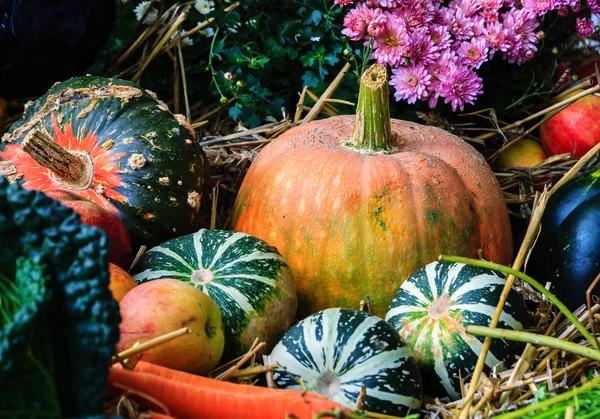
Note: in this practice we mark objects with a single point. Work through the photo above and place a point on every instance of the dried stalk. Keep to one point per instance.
(316, 109)
(536, 115)
(228, 374)
(152, 343)
(182, 17)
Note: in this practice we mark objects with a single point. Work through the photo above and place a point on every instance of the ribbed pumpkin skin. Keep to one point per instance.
(351, 224)
(248, 279)
(431, 311)
(350, 348)
(157, 195)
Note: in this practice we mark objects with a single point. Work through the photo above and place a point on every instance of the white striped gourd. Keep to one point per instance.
(336, 351)
(247, 278)
(432, 309)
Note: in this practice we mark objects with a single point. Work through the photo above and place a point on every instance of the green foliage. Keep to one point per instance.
(59, 320)
(272, 49)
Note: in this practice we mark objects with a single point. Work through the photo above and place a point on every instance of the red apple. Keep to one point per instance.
(161, 306)
(94, 215)
(575, 129)
(524, 153)
(120, 282)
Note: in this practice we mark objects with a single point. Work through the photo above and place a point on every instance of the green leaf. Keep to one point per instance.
(235, 111)
(258, 62)
(314, 18)
(310, 79)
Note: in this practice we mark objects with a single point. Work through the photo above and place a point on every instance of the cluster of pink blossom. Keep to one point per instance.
(434, 47)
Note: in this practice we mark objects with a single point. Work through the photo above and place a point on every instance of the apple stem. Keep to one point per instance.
(152, 343)
(71, 170)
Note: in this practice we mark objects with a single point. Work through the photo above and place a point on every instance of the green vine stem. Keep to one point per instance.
(372, 126)
(571, 394)
(535, 339)
(526, 278)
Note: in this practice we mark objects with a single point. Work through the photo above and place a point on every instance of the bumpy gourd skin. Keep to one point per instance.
(68, 298)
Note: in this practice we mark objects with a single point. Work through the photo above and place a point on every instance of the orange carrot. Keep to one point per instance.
(211, 399)
(188, 378)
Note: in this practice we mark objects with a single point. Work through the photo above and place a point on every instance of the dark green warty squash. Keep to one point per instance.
(567, 252)
(116, 144)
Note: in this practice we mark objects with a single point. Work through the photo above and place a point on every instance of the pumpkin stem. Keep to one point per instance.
(372, 126)
(72, 170)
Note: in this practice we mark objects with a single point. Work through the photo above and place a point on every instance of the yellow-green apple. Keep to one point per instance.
(524, 153)
(120, 282)
(161, 306)
(575, 129)
(94, 215)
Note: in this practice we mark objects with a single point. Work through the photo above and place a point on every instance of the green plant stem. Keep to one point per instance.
(372, 126)
(210, 57)
(536, 339)
(524, 277)
(551, 401)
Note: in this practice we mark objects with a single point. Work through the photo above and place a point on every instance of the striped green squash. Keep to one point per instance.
(247, 278)
(432, 309)
(336, 351)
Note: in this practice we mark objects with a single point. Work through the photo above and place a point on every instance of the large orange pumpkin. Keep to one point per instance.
(357, 203)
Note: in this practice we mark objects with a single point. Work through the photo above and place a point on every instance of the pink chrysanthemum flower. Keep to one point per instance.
(355, 22)
(585, 27)
(538, 7)
(490, 10)
(383, 3)
(445, 64)
(440, 36)
(416, 13)
(343, 3)
(474, 52)
(410, 83)
(521, 36)
(594, 6)
(495, 35)
(440, 16)
(376, 23)
(461, 27)
(469, 7)
(460, 87)
(422, 49)
(392, 46)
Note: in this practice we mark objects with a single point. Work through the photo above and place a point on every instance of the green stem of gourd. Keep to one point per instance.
(535, 339)
(372, 126)
(526, 278)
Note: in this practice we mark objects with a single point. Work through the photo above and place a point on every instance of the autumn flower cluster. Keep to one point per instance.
(435, 47)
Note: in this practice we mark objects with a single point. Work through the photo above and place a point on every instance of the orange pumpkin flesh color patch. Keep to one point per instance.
(352, 222)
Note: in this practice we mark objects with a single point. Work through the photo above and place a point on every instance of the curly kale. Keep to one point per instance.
(58, 320)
